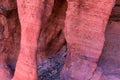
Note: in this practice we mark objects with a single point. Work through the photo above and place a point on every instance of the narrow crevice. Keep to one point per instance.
(54, 40)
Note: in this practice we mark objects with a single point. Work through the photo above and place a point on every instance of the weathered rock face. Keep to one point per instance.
(51, 38)
(9, 38)
(77, 24)
(109, 61)
(87, 28)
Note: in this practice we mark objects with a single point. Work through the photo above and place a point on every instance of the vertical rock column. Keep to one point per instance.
(84, 32)
(30, 13)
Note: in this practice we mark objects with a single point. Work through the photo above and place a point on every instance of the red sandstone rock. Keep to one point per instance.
(84, 32)
(110, 61)
(81, 32)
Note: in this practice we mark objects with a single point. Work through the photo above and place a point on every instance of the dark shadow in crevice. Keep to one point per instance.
(54, 43)
(52, 37)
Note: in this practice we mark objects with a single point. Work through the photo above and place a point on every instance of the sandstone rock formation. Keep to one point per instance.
(72, 28)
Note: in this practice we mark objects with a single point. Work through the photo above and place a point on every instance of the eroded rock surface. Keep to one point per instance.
(52, 50)
(109, 61)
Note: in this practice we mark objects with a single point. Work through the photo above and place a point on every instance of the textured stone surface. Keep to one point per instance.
(51, 37)
(79, 20)
(109, 61)
(84, 33)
